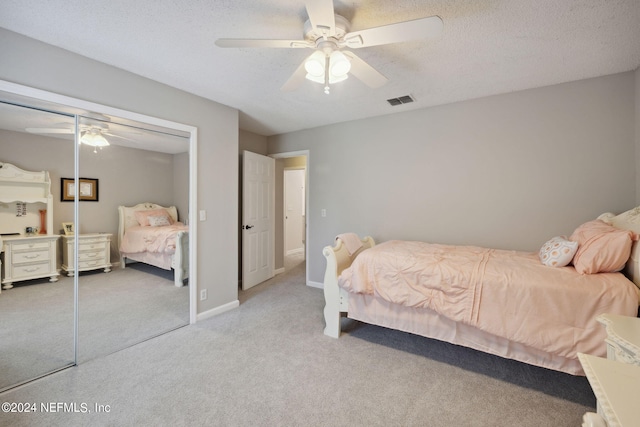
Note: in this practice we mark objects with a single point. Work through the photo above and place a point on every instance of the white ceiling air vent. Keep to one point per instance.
(400, 100)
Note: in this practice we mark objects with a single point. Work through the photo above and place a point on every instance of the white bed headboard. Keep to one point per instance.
(127, 217)
(629, 220)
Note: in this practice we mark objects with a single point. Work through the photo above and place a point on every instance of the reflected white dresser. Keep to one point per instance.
(29, 257)
(94, 252)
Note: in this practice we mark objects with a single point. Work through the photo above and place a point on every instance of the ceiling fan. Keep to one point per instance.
(329, 34)
(92, 135)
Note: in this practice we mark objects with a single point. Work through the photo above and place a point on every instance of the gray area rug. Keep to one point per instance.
(267, 363)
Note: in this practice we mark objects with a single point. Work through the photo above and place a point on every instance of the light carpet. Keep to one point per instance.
(116, 310)
(267, 363)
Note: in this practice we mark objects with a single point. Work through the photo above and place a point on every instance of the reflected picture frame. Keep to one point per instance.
(88, 189)
(68, 228)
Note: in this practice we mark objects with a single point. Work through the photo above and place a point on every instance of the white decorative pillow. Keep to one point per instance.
(158, 221)
(558, 252)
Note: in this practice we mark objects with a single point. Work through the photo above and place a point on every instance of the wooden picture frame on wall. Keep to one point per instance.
(88, 189)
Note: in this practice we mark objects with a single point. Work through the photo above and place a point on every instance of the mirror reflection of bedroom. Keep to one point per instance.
(131, 179)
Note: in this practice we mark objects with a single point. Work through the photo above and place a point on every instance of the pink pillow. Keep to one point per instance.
(143, 216)
(601, 247)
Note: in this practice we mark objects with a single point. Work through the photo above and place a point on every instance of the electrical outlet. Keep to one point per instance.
(203, 295)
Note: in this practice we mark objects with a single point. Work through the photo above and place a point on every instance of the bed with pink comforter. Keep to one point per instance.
(502, 302)
(155, 240)
(507, 294)
(151, 234)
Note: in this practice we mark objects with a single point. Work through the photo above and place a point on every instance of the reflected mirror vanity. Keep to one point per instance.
(29, 250)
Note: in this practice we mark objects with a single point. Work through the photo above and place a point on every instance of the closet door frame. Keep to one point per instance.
(78, 108)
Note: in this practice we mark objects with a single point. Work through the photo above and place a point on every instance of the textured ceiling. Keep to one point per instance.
(487, 47)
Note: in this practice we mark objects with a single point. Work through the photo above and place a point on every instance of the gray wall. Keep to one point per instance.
(32, 63)
(507, 171)
(158, 177)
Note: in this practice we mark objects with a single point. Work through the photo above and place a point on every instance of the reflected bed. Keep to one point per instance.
(151, 234)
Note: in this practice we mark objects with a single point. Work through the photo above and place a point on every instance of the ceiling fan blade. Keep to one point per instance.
(395, 33)
(263, 43)
(322, 16)
(118, 136)
(48, 130)
(296, 79)
(365, 72)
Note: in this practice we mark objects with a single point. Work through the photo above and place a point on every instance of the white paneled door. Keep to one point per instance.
(258, 196)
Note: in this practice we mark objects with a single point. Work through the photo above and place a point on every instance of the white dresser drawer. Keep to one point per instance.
(22, 271)
(29, 257)
(86, 256)
(30, 246)
(89, 264)
(83, 246)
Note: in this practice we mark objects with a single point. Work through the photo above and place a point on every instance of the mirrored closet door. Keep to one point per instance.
(131, 179)
(86, 179)
(36, 307)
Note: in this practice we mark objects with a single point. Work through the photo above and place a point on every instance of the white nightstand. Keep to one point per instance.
(616, 386)
(623, 338)
(29, 257)
(94, 252)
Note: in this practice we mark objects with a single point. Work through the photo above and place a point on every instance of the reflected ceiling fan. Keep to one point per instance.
(329, 35)
(92, 135)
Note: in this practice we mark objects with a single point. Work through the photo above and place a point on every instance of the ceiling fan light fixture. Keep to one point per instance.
(317, 79)
(337, 79)
(339, 64)
(315, 64)
(94, 139)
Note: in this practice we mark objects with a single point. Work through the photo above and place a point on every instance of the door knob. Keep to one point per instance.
(246, 227)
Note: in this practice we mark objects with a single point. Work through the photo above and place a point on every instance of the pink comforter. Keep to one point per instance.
(139, 239)
(506, 293)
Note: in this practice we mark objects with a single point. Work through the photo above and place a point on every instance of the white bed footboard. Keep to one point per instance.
(180, 261)
(337, 299)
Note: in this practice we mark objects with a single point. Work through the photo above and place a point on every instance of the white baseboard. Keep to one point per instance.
(278, 271)
(217, 310)
(319, 285)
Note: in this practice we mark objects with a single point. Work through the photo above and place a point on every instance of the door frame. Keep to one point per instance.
(75, 103)
(307, 154)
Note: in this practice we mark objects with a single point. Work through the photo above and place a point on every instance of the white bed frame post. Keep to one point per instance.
(181, 259)
(337, 299)
(332, 312)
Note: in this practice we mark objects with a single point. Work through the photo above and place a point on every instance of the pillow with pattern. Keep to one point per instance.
(158, 221)
(558, 252)
(143, 216)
